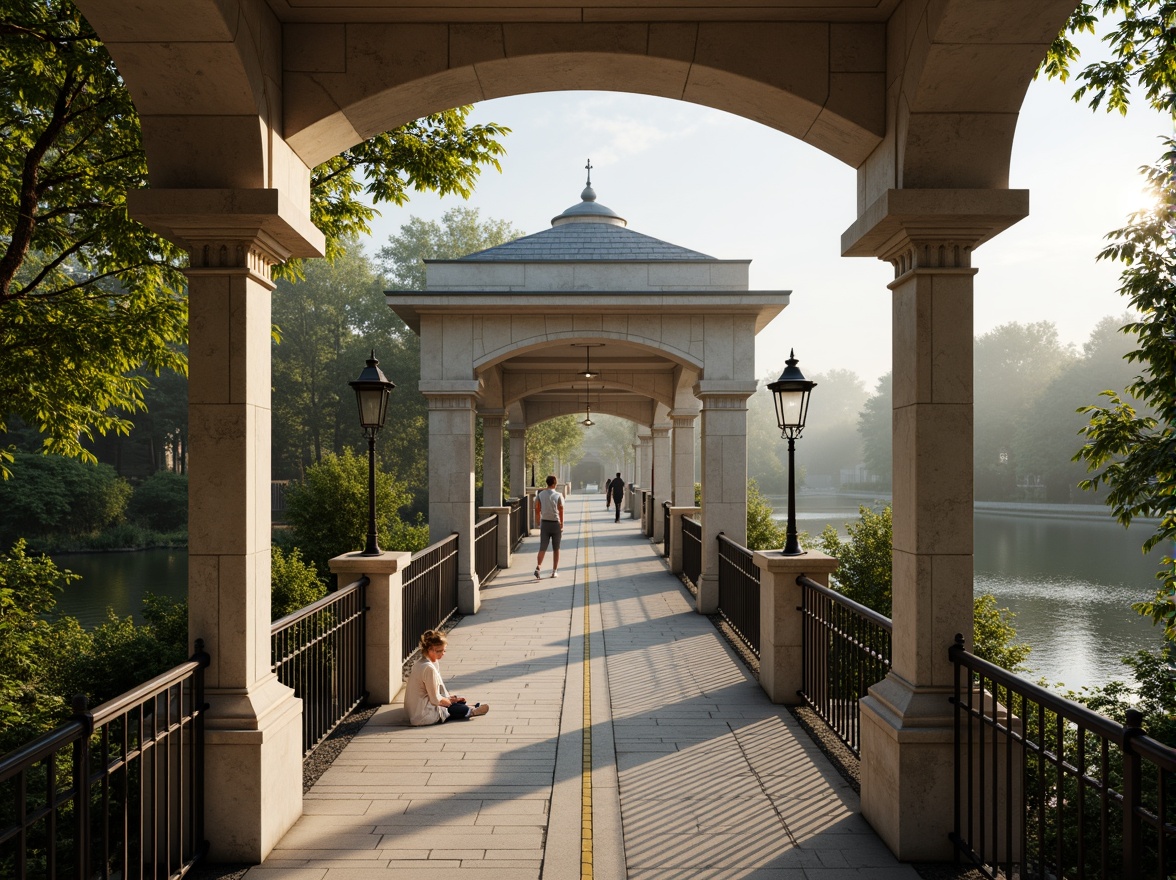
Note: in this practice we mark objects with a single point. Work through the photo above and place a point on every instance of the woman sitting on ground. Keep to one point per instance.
(426, 699)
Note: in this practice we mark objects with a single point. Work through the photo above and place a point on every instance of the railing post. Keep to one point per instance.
(384, 620)
(505, 538)
(1132, 796)
(781, 621)
(676, 514)
(81, 780)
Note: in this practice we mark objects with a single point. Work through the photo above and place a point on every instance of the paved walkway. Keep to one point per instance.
(682, 770)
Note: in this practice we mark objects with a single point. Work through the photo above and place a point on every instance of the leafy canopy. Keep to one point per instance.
(91, 302)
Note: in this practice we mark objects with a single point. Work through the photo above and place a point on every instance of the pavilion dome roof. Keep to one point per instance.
(587, 230)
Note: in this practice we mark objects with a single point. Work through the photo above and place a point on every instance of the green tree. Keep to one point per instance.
(552, 441)
(328, 511)
(831, 440)
(461, 232)
(1013, 366)
(87, 295)
(763, 532)
(874, 425)
(1132, 453)
(160, 502)
(32, 650)
(51, 496)
(293, 583)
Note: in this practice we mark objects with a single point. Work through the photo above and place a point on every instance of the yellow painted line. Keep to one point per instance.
(586, 746)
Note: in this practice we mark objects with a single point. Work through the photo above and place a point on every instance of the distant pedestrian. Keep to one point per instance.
(607, 493)
(426, 699)
(549, 509)
(616, 491)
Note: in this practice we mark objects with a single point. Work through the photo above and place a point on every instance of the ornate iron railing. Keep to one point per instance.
(430, 590)
(1045, 787)
(319, 651)
(115, 792)
(486, 548)
(846, 649)
(691, 552)
(739, 585)
(518, 521)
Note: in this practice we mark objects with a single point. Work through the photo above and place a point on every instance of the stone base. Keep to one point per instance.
(253, 771)
(908, 770)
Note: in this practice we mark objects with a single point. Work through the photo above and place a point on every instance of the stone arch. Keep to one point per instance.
(651, 388)
(786, 75)
(541, 338)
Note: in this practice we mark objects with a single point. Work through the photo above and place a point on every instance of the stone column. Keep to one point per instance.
(505, 553)
(724, 476)
(907, 732)
(663, 481)
(451, 477)
(683, 463)
(518, 462)
(781, 623)
(491, 458)
(253, 733)
(645, 474)
(676, 514)
(384, 620)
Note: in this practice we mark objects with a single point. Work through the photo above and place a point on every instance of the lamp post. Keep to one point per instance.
(371, 393)
(791, 393)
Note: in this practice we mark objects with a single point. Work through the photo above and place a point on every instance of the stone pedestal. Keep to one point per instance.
(384, 619)
(781, 622)
(676, 514)
(504, 538)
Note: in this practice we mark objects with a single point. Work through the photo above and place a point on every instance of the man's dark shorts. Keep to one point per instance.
(549, 530)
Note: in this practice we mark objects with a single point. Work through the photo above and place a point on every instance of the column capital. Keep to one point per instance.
(724, 393)
(450, 394)
(661, 432)
(492, 418)
(932, 229)
(229, 230)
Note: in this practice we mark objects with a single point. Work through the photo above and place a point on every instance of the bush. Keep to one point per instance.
(160, 502)
(328, 511)
(52, 495)
(864, 558)
(763, 533)
(993, 634)
(293, 583)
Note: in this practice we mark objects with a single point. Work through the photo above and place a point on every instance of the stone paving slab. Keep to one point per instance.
(691, 773)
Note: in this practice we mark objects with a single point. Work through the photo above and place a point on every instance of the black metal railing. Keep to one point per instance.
(846, 649)
(691, 552)
(430, 590)
(739, 585)
(518, 521)
(1045, 787)
(666, 529)
(486, 548)
(115, 792)
(319, 651)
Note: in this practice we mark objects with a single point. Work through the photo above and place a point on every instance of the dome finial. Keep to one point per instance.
(589, 167)
(589, 194)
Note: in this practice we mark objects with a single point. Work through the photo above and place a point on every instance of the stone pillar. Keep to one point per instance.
(781, 623)
(492, 458)
(724, 476)
(663, 478)
(683, 461)
(518, 462)
(645, 474)
(907, 773)
(504, 543)
(451, 477)
(253, 733)
(384, 620)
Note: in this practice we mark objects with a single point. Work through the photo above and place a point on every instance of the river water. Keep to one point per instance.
(1069, 580)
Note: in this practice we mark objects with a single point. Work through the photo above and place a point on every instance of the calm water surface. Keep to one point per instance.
(1070, 581)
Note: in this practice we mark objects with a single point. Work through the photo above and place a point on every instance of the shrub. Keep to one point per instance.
(328, 511)
(864, 558)
(160, 502)
(293, 583)
(763, 533)
(49, 494)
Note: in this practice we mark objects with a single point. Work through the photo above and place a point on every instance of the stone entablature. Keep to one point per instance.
(620, 275)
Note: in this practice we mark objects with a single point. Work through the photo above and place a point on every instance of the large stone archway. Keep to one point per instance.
(240, 98)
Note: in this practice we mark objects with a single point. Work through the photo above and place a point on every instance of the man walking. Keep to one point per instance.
(549, 509)
(616, 489)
